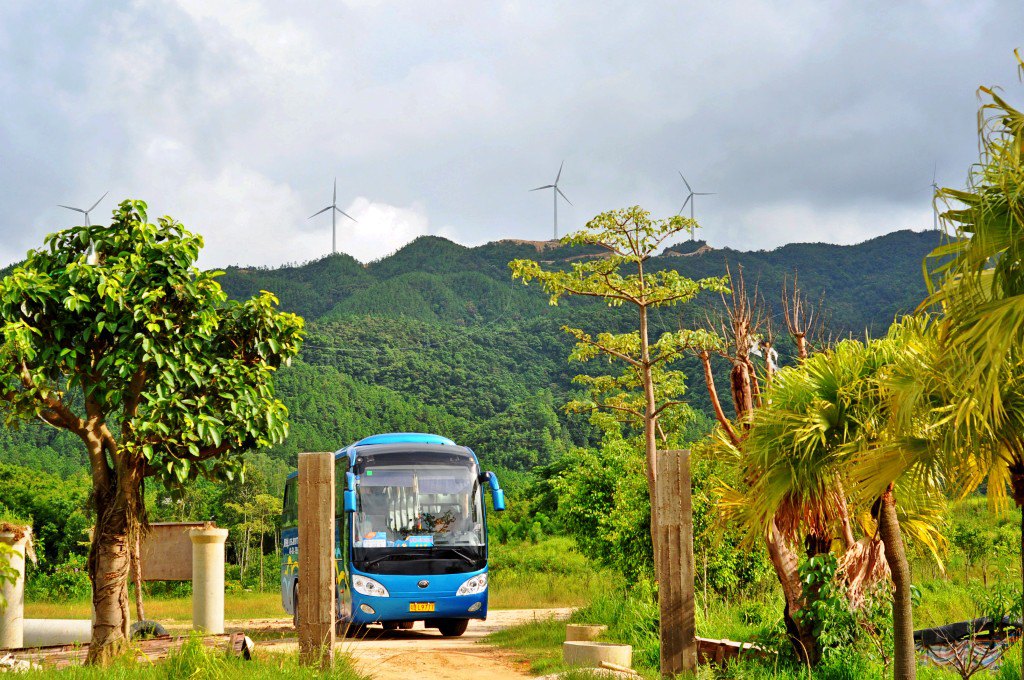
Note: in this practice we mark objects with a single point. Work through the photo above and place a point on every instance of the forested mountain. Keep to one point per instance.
(437, 337)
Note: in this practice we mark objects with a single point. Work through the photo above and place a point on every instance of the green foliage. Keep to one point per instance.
(645, 388)
(121, 315)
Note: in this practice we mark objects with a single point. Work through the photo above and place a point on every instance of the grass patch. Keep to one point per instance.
(237, 606)
(197, 662)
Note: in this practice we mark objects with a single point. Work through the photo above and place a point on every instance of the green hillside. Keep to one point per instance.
(437, 337)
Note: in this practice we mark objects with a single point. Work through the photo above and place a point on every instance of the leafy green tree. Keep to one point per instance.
(172, 377)
(647, 389)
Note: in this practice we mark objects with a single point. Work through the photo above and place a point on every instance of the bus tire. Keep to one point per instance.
(295, 605)
(354, 630)
(453, 627)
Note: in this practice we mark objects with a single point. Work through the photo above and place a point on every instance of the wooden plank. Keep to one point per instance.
(672, 494)
(154, 649)
(316, 607)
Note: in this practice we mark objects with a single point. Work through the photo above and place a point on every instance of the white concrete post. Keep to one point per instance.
(12, 616)
(208, 579)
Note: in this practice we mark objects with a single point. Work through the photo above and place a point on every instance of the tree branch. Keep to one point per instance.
(587, 340)
(705, 360)
(667, 404)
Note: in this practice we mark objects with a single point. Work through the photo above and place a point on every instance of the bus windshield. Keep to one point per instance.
(416, 509)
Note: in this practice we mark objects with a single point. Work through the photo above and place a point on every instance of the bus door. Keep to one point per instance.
(341, 531)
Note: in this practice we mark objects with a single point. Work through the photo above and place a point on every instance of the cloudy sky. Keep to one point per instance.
(813, 120)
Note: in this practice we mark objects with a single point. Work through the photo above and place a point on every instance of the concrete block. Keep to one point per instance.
(46, 632)
(575, 632)
(592, 654)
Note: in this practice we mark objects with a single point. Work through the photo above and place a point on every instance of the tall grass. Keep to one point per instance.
(195, 661)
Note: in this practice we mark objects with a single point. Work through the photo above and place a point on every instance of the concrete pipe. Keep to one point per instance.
(12, 616)
(46, 632)
(208, 579)
(591, 654)
(575, 632)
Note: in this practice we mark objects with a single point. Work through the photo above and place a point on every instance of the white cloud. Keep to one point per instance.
(381, 229)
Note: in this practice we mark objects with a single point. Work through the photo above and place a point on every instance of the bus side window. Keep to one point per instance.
(291, 504)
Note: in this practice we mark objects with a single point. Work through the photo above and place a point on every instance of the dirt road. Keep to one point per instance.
(423, 653)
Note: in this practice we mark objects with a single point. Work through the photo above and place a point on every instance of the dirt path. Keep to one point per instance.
(423, 653)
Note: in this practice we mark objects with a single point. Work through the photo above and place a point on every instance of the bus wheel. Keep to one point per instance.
(354, 630)
(453, 627)
(295, 605)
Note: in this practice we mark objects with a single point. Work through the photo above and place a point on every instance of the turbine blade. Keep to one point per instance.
(319, 211)
(70, 208)
(546, 186)
(345, 214)
(706, 193)
(335, 200)
(688, 187)
(559, 175)
(563, 195)
(98, 201)
(685, 203)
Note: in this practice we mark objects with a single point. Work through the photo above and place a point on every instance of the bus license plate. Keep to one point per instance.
(421, 606)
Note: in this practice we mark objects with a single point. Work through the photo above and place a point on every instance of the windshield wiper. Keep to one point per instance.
(460, 554)
(394, 554)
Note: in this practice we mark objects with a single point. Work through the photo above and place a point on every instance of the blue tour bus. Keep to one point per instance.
(410, 535)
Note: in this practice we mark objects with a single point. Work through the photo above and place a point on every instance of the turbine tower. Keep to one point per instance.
(690, 199)
(91, 257)
(555, 193)
(333, 207)
(935, 189)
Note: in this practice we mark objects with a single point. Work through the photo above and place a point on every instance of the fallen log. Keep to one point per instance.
(154, 649)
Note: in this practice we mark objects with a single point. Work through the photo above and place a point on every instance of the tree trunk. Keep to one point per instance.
(1017, 484)
(119, 512)
(785, 563)
(650, 431)
(742, 397)
(905, 658)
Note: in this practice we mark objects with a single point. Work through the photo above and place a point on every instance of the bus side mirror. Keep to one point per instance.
(350, 492)
(497, 494)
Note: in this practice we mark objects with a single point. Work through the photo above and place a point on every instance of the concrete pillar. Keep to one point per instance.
(316, 559)
(208, 579)
(672, 497)
(12, 616)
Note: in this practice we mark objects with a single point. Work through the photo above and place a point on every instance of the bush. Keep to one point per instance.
(67, 581)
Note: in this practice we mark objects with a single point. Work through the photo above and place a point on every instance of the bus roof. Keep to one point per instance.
(393, 438)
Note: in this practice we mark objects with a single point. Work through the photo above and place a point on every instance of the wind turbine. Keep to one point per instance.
(333, 207)
(86, 211)
(91, 257)
(690, 199)
(555, 193)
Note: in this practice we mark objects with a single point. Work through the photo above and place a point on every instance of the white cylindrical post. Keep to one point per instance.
(12, 615)
(208, 579)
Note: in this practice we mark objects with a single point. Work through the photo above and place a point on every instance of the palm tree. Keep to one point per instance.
(979, 288)
(803, 453)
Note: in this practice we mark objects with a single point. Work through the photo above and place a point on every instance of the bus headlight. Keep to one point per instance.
(474, 586)
(367, 586)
